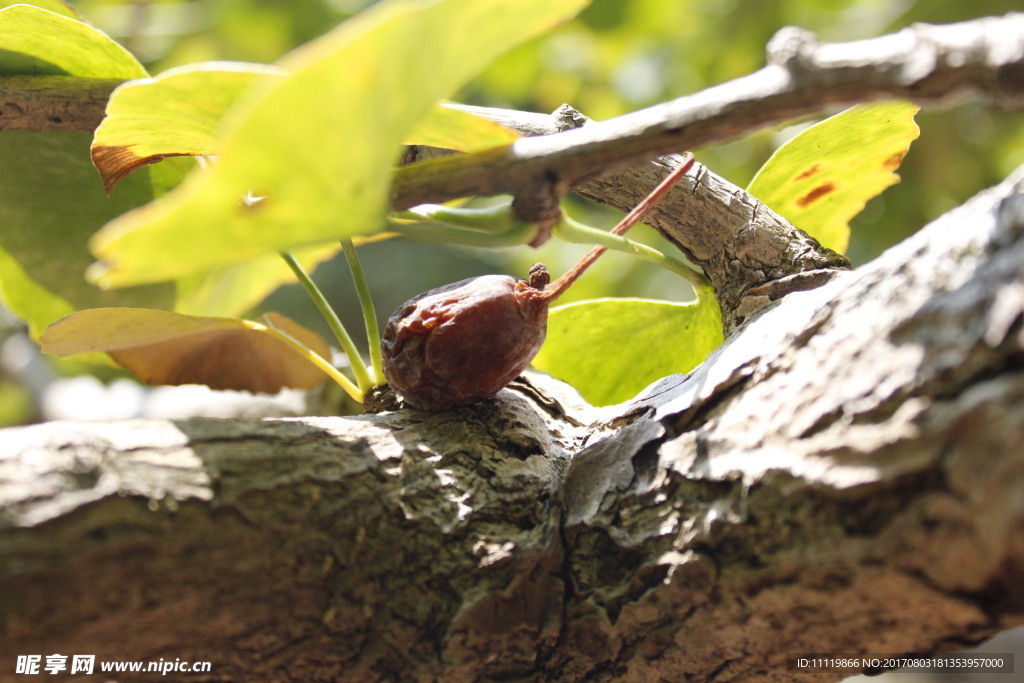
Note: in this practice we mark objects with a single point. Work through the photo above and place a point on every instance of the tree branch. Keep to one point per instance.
(844, 474)
(53, 103)
(851, 458)
(928, 64)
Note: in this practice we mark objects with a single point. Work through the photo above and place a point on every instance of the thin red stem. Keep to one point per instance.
(558, 287)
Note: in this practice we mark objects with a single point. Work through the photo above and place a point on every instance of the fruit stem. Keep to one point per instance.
(348, 346)
(309, 354)
(558, 287)
(369, 313)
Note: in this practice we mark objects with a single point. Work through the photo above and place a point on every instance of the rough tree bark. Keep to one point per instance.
(843, 475)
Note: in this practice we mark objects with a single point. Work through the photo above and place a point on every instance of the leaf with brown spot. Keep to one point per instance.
(168, 348)
(824, 176)
(120, 162)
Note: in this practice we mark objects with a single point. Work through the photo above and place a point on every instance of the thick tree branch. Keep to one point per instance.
(843, 475)
(859, 444)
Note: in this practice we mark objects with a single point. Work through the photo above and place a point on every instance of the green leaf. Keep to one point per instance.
(319, 143)
(51, 202)
(611, 349)
(177, 113)
(167, 348)
(824, 176)
(35, 41)
(450, 128)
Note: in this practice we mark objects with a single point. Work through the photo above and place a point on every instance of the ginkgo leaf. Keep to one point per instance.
(451, 128)
(160, 347)
(824, 176)
(320, 142)
(173, 114)
(50, 200)
(35, 41)
(611, 349)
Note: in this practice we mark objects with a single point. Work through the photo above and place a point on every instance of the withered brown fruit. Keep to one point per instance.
(464, 342)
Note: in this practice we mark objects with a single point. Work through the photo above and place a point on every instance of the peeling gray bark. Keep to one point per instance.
(843, 475)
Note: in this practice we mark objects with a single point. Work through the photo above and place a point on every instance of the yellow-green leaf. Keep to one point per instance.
(824, 176)
(450, 128)
(319, 143)
(35, 41)
(174, 114)
(611, 349)
(168, 348)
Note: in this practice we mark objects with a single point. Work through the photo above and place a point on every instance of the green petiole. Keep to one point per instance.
(309, 354)
(359, 369)
(492, 227)
(492, 220)
(444, 234)
(369, 313)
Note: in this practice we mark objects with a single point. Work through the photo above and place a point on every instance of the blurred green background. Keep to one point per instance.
(618, 56)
